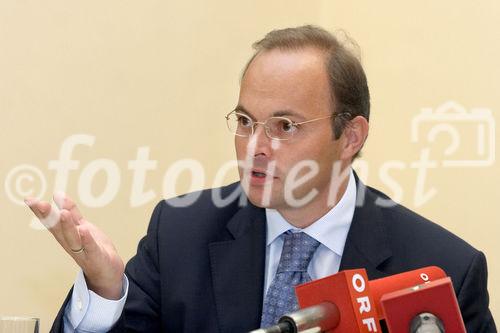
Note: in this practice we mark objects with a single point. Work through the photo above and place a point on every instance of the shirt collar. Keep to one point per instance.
(330, 230)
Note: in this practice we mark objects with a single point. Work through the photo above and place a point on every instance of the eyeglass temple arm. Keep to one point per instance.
(332, 115)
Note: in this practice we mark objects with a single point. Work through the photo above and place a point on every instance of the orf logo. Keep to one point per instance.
(365, 308)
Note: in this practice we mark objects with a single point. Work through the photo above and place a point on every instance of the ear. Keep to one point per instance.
(354, 137)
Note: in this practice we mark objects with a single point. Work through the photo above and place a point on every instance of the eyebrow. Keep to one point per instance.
(278, 113)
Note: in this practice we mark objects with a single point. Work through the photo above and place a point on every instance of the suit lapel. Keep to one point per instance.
(237, 267)
(367, 244)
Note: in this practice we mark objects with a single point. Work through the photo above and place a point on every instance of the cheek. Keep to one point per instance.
(328, 159)
(240, 147)
(322, 153)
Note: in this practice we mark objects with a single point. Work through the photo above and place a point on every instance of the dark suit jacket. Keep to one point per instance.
(201, 268)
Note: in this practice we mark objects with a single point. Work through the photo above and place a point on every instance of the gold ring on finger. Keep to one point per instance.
(80, 250)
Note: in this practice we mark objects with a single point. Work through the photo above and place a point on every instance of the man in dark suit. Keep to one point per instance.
(220, 264)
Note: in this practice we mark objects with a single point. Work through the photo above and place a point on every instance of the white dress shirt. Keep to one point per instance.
(330, 230)
(88, 312)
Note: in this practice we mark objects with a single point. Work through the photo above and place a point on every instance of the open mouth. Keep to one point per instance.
(258, 174)
(260, 177)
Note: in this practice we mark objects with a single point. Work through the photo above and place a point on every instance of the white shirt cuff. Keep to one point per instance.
(89, 312)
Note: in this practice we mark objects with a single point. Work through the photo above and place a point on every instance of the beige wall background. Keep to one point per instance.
(162, 74)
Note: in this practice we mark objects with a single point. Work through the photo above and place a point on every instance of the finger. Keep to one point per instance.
(70, 232)
(47, 214)
(40, 208)
(88, 241)
(65, 202)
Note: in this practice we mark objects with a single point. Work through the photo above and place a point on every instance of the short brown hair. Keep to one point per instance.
(348, 85)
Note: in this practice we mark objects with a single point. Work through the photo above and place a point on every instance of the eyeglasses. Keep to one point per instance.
(278, 128)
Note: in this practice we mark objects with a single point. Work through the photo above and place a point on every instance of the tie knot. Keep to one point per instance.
(298, 249)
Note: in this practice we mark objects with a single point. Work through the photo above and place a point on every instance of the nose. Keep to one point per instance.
(261, 140)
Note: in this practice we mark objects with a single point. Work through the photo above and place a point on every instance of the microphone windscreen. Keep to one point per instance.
(436, 298)
(349, 291)
(388, 284)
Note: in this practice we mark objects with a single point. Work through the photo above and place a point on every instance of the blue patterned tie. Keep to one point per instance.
(298, 249)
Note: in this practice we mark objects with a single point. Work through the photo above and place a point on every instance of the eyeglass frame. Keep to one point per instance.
(266, 128)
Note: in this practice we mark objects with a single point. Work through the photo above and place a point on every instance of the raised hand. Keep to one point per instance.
(91, 249)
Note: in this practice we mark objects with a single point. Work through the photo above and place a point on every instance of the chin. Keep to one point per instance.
(262, 195)
(256, 197)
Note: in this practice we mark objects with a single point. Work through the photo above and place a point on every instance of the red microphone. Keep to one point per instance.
(388, 284)
(348, 295)
(337, 303)
(357, 299)
(427, 308)
(347, 301)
